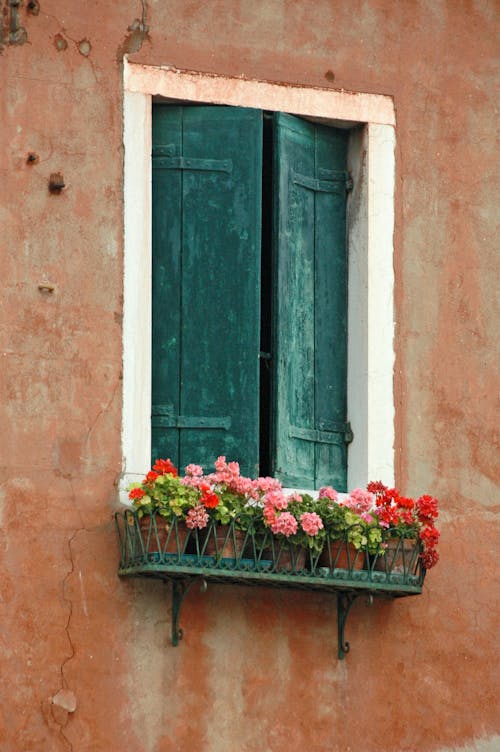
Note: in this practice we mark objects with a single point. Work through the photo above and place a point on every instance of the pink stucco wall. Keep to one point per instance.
(258, 669)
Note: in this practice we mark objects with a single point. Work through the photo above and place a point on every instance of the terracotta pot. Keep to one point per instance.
(400, 557)
(290, 558)
(155, 540)
(177, 543)
(341, 555)
(221, 542)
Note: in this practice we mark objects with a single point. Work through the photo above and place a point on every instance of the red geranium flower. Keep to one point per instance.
(165, 467)
(150, 477)
(405, 502)
(407, 518)
(429, 558)
(376, 487)
(430, 536)
(427, 508)
(388, 516)
(210, 500)
(136, 493)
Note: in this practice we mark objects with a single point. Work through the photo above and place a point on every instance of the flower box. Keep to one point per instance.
(224, 528)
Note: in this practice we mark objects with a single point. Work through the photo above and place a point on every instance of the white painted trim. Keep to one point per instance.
(136, 431)
(370, 397)
(370, 241)
(381, 412)
(172, 83)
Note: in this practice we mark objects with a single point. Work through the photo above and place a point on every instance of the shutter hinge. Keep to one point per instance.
(336, 433)
(189, 163)
(163, 417)
(330, 181)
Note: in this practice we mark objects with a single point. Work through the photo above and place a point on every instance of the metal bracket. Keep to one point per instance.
(180, 588)
(344, 603)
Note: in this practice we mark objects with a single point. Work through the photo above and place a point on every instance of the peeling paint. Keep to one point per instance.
(84, 47)
(60, 43)
(138, 34)
(33, 7)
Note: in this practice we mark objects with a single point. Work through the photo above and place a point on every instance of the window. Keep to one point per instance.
(370, 226)
(249, 330)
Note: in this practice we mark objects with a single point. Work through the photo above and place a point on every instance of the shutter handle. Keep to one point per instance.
(266, 358)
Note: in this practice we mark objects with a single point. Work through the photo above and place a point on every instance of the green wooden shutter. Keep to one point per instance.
(207, 164)
(310, 319)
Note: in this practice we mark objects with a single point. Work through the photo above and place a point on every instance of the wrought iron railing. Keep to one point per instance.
(167, 549)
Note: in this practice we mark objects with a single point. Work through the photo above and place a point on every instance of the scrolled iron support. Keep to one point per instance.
(344, 603)
(180, 589)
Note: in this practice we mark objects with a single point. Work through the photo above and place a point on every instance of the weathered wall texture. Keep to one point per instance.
(257, 670)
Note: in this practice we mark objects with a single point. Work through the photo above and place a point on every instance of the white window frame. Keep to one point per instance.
(370, 222)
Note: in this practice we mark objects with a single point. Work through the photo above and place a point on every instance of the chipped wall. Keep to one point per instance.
(85, 659)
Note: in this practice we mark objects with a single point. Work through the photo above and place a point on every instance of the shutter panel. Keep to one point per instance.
(166, 282)
(310, 321)
(206, 367)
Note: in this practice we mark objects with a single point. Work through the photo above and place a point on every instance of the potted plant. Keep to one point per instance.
(225, 515)
(351, 531)
(296, 527)
(216, 512)
(378, 528)
(409, 533)
(236, 509)
(161, 503)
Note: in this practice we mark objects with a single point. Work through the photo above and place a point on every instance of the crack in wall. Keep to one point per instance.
(144, 26)
(64, 683)
(56, 709)
(103, 411)
(60, 718)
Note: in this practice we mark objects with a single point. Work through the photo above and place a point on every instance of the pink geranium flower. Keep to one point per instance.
(194, 470)
(311, 523)
(197, 517)
(277, 499)
(327, 492)
(286, 524)
(360, 500)
(269, 514)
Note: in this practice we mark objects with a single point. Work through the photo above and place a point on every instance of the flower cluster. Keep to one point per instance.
(197, 517)
(411, 518)
(294, 517)
(196, 498)
(366, 518)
